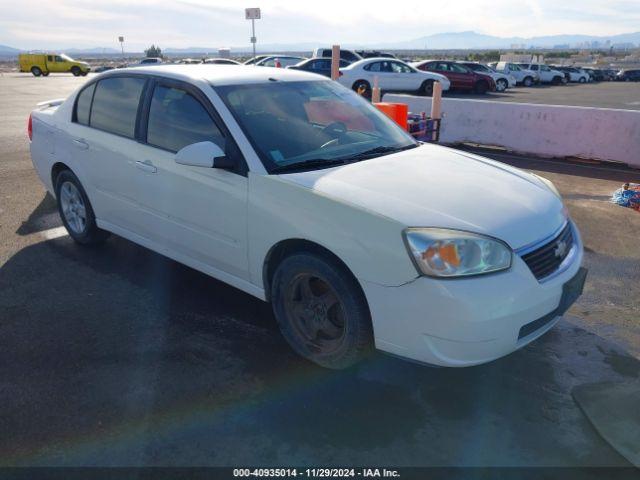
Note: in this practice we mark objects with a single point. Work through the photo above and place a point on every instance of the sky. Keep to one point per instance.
(57, 24)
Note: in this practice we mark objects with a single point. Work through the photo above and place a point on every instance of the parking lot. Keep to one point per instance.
(118, 356)
(620, 95)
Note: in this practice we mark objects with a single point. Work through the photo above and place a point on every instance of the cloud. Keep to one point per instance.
(59, 24)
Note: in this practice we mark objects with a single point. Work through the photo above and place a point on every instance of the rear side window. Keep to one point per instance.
(178, 119)
(115, 105)
(83, 104)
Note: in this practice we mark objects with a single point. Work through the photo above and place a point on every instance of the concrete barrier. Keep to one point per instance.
(542, 130)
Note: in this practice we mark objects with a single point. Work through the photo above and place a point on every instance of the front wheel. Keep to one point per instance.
(527, 82)
(426, 88)
(582, 80)
(84, 74)
(321, 310)
(76, 71)
(501, 85)
(45, 74)
(75, 210)
(481, 87)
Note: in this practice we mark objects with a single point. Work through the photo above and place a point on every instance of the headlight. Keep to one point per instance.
(549, 185)
(438, 252)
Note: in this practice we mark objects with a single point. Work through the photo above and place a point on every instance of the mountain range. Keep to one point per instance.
(438, 41)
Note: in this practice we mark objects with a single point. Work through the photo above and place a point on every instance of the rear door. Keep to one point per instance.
(198, 213)
(104, 147)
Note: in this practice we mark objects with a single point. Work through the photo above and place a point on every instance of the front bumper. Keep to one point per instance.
(468, 321)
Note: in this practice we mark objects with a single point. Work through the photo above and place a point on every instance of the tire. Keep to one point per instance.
(321, 310)
(527, 82)
(582, 80)
(501, 85)
(45, 74)
(481, 87)
(84, 74)
(556, 80)
(426, 88)
(73, 204)
(36, 71)
(76, 71)
(362, 83)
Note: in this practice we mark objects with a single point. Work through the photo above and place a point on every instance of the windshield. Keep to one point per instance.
(66, 57)
(311, 124)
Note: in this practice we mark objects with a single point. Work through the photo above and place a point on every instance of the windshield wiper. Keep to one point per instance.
(307, 164)
(372, 152)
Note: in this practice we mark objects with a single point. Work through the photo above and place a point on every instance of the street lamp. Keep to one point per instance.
(121, 40)
(252, 14)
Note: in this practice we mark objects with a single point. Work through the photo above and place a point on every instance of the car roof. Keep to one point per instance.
(219, 74)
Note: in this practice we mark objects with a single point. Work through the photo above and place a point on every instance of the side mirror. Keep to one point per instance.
(203, 154)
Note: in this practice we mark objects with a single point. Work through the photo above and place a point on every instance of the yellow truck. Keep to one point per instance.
(45, 63)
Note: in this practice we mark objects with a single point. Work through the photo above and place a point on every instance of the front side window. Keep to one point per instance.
(178, 119)
(317, 122)
(454, 67)
(115, 105)
(83, 104)
(59, 58)
(398, 67)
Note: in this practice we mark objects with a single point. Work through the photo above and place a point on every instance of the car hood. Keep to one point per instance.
(434, 186)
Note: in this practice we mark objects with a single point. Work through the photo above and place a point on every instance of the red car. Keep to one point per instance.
(461, 77)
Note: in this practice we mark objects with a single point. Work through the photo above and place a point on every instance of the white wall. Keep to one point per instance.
(542, 130)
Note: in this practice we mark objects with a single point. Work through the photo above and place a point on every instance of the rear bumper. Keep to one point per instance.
(466, 322)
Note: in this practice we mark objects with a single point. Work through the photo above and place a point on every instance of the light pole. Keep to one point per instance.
(252, 14)
(121, 40)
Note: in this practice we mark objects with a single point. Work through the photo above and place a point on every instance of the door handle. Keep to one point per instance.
(81, 143)
(146, 166)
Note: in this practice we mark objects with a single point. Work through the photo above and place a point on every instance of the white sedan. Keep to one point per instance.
(393, 76)
(298, 191)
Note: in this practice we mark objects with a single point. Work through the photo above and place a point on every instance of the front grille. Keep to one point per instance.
(546, 259)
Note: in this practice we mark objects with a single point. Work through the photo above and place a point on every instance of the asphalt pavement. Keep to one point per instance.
(117, 356)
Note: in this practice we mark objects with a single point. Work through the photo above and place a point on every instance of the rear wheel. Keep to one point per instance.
(527, 82)
(362, 87)
(76, 211)
(321, 310)
(481, 87)
(501, 85)
(76, 71)
(36, 71)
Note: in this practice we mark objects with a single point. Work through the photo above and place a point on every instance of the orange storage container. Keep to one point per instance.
(398, 112)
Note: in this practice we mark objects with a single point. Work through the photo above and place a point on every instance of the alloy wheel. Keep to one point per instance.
(316, 313)
(73, 207)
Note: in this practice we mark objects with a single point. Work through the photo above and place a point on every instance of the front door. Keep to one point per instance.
(198, 213)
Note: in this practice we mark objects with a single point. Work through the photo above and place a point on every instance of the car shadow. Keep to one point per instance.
(115, 355)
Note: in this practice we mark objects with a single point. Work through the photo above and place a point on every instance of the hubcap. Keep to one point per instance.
(73, 208)
(316, 313)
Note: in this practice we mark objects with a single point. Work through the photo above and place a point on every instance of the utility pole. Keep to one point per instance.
(252, 14)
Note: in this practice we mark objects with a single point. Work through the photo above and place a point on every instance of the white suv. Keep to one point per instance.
(546, 73)
(298, 191)
(522, 75)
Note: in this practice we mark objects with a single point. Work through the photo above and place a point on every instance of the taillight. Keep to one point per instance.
(30, 128)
